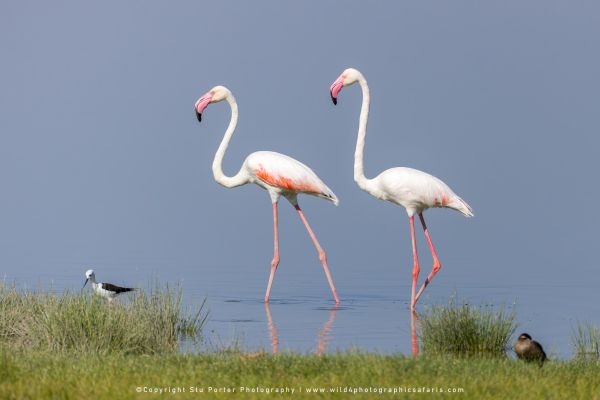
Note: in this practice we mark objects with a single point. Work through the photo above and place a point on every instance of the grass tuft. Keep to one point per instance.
(586, 342)
(466, 331)
(152, 322)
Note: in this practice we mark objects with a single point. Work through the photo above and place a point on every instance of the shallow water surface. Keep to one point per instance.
(373, 314)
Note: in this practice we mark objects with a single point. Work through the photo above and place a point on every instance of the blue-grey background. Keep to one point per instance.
(103, 164)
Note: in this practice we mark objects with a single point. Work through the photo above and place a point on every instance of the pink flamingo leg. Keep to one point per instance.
(436, 262)
(275, 260)
(322, 255)
(416, 268)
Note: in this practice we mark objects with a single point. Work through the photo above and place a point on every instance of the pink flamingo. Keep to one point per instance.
(415, 190)
(279, 174)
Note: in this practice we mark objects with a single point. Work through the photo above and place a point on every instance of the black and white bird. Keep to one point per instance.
(529, 350)
(106, 290)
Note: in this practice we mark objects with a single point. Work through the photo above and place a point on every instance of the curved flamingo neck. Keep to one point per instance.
(359, 173)
(217, 166)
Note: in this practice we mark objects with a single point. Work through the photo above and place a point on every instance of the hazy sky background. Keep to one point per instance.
(103, 163)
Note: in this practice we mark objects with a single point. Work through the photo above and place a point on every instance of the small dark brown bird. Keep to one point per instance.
(529, 350)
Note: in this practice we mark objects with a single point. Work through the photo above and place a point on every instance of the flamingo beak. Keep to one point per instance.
(335, 88)
(85, 283)
(201, 104)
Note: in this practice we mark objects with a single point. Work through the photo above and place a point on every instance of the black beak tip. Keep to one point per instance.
(199, 116)
(334, 99)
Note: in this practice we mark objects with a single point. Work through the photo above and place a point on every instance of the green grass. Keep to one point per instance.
(75, 346)
(465, 330)
(586, 342)
(39, 376)
(150, 322)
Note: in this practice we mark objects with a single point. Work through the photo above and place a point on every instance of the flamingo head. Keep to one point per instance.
(214, 95)
(348, 77)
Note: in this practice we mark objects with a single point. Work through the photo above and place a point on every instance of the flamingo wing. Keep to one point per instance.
(275, 170)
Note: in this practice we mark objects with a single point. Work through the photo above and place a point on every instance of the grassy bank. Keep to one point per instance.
(148, 323)
(119, 376)
(77, 346)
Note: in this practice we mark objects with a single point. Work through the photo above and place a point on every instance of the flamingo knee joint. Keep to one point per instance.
(322, 256)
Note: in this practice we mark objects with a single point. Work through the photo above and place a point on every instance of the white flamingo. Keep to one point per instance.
(279, 174)
(415, 190)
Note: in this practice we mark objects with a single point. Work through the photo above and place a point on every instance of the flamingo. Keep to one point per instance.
(412, 189)
(279, 174)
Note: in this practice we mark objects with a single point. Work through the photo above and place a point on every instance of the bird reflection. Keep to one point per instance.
(324, 332)
(414, 320)
(322, 337)
(272, 330)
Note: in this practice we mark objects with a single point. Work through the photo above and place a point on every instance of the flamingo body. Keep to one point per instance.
(285, 175)
(416, 191)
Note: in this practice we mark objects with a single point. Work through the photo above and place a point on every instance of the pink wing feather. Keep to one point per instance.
(287, 174)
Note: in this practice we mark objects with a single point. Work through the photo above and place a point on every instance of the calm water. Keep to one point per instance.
(373, 314)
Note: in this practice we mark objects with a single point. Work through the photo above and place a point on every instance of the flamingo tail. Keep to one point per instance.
(329, 196)
(459, 204)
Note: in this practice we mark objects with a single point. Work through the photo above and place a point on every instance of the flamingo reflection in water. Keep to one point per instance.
(414, 320)
(322, 337)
